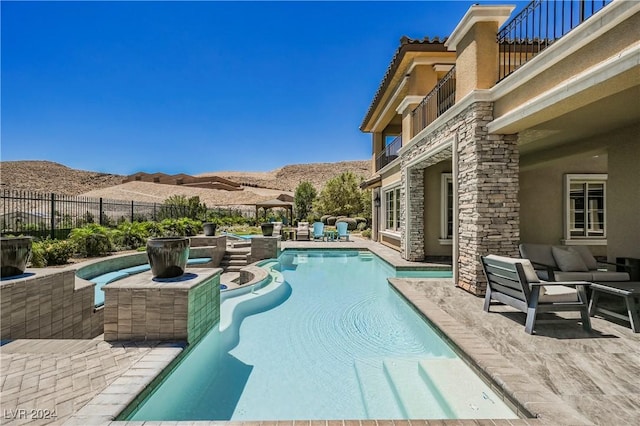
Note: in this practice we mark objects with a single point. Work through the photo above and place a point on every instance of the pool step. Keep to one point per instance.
(378, 398)
(417, 397)
(235, 259)
(365, 256)
(473, 399)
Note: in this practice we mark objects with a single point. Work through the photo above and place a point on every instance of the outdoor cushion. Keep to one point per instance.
(538, 253)
(109, 277)
(609, 276)
(587, 257)
(198, 260)
(568, 260)
(573, 276)
(558, 293)
(529, 271)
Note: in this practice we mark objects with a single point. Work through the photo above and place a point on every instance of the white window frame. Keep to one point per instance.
(445, 179)
(394, 231)
(596, 178)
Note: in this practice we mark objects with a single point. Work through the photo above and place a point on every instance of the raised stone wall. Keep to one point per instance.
(488, 208)
(264, 248)
(141, 308)
(488, 170)
(48, 304)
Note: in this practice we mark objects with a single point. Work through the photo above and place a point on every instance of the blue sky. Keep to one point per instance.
(193, 87)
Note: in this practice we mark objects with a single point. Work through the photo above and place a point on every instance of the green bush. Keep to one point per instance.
(366, 233)
(183, 227)
(130, 236)
(331, 220)
(153, 229)
(361, 226)
(351, 223)
(324, 218)
(92, 240)
(51, 252)
(361, 220)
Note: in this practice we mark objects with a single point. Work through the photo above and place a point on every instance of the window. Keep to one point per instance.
(392, 209)
(585, 206)
(446, 208)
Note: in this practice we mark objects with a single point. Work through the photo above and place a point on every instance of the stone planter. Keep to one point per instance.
(15, 254)
(168, 256)
(267, 229)
(209, 229)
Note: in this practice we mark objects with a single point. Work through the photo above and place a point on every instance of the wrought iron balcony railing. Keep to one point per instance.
(440, 99)
(537, 26)
(389, 153)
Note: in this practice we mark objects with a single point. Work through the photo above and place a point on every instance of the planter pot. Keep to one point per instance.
(209, 229)
(168, 256)
(15, 254)
(267, 229)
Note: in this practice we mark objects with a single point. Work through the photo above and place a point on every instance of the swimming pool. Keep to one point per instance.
(328, 339)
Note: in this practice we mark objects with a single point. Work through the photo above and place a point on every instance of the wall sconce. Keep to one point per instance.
(376, 201)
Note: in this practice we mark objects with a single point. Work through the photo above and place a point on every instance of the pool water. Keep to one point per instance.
(331, 340)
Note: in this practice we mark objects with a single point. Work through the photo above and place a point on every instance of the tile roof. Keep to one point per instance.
(407, 44)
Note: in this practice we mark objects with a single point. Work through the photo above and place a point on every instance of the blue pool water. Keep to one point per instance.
(326, 338)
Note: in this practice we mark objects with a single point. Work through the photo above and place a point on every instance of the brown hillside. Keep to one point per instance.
(47, 176)
(287, 178)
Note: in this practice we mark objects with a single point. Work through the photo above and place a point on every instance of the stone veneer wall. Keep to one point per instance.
(264, 248)
(138, 308)
(488, 209)
(48, 305)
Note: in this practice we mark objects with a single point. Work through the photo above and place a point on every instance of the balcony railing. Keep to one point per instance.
(440, 99)
(539, 25)
(389, 153)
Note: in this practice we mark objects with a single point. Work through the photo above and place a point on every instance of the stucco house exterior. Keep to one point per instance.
(514, 129)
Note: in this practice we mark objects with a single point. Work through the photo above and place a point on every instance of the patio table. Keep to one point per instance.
(330, 235)
(628, 290)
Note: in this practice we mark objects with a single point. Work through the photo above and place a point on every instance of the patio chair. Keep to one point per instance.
(277, 228)
(342, 230)
(318, 231)
(514, 282)
(302, 231)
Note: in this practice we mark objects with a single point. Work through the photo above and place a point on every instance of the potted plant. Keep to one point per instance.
(168, 256)
(209, 228)
(15, 254)
(267, 229)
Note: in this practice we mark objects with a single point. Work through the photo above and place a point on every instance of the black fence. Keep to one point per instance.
(537, 26)
(437, 102)
(54, 215)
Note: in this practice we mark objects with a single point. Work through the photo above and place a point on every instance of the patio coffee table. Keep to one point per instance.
(628, 290)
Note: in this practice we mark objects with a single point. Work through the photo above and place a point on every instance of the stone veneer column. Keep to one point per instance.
(412, 221)
(488, 171)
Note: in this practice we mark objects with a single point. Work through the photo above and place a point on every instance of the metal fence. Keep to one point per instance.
(389, 153)
(53, 215)
(537, 26)
(439, 100)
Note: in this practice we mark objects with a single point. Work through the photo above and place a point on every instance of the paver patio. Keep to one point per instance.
(592, 377)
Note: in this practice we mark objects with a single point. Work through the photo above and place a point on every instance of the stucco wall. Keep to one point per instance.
(433, 210)
(607, 46)
(623, 194)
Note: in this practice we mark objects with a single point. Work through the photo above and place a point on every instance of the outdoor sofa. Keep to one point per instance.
(575, 263)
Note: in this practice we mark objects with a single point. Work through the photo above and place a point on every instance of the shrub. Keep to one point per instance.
(366, 233)
(360, 220)
(153, 229)
(51, 252)
(361, 226)
(324, 218)
(331, 220)
(183, 227)
(131, 235)
(92, 240)
(351, 223)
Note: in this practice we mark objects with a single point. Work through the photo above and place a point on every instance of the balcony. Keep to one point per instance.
(389, 153)
(440, 99)
(537, 26)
